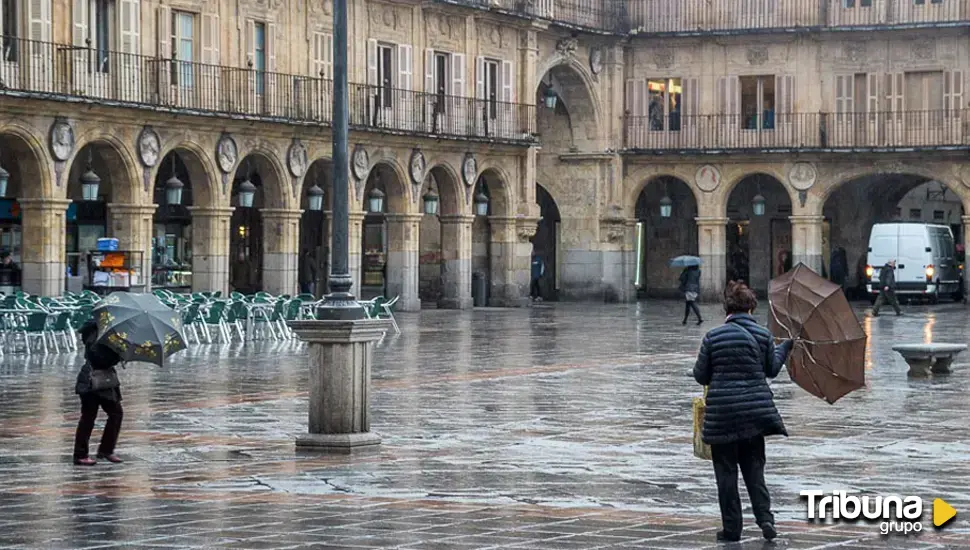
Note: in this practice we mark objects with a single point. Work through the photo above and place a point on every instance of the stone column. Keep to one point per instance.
(42, 256)
(132, 225)
(281, 250)
(456, 262)
(806, 233)
(711, 247)
(510, 254)
(355, 235)
(340, 373)
(966, 235)
(210, 248)
(402, 260)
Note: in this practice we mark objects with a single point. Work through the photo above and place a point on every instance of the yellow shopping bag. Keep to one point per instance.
(701, 449)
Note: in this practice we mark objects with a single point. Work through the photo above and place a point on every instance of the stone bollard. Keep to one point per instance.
(340, 361)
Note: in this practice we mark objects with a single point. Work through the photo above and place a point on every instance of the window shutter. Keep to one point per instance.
(629, 102)
(79, 34)
(163, 20)
(458, 74)
(953, 91)
(405, 67)
(271, 47)
(429, 70)
(691, 99)
(250, 59)
(844, 93)
(322, 61)
(872, 93)
(735, 95)
(508, 82)
(39, 19)
(480, 78)
(729, 95)
(785, 88)
(129, 25)
(722, 103)
(210, 39)
(372, 62)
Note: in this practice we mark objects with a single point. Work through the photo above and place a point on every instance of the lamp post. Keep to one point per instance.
(758, 204)
(90, 182)
(375, 201)
(173, 187)
(481, 203)
(315, 198)
(247, 192)
(666, 206)
(430, 201)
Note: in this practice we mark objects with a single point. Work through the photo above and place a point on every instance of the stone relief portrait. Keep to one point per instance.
(297, 159)
(149, 147)
(360, 162)
(469, 169)
(418, 166)
(226, 154)
(62, 140)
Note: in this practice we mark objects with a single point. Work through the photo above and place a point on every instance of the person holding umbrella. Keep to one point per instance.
(690, 285)
(98, 386)
(735, 361)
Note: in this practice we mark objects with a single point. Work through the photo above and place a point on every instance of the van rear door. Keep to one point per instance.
(912, 257)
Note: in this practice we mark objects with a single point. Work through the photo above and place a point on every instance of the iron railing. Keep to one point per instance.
(597, 15)
(706, 16)
(799, 131)
(108, 77)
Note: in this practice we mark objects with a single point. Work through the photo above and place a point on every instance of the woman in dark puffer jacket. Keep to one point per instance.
(735, 361)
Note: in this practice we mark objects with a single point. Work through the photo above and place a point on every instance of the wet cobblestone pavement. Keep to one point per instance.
(554, 427)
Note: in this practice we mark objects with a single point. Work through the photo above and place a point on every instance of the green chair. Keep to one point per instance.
(385, 311)
(237, 315)
(32, 324)
(192, 319)
(61, 328)
(215, 316)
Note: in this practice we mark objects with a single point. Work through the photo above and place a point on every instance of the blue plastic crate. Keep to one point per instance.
(107, 245)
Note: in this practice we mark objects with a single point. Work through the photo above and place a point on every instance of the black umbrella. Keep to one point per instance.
(139, 327)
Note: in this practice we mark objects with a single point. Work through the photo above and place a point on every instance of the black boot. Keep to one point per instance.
(768, 531)
(727, 537)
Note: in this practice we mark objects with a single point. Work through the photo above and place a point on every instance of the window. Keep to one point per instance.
(852, 3)
(923, 2)
(899, 212)
(758, 102)
(100, 34)
(915, 213)
(259, 56)
(183, 37)
(924, 91)
(664, 103)
(385, 75)
(491, 87)
(9, 14)
(939, 215)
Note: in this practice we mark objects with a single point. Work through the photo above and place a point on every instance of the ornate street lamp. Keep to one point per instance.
(375, 201)
(90, 182)
(481, 203)
(550, 98)
(4, 178)
(173, 187)
(758, 205)
(430, 201)
(666, 206)
(315, 198)
(247, 192)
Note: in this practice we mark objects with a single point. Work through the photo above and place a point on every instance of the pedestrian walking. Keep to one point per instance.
(735, 361)
(308, 272)
(538, 270)
(887, 289)
(838, 266)
(98, 386)
(690, 285)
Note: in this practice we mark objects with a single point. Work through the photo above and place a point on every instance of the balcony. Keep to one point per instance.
(603, 16)
(69, 73)
(877, 131)
(696, 17)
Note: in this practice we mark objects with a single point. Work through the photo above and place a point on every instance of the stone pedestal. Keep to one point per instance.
(711, 247)
(210, 249)
(456, 262)
(806, 232)
(340, 373)
(281, 254)
(403, 231)
(133, 226)
(42, 250)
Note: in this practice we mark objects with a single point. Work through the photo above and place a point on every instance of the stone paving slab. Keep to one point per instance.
(555, 427)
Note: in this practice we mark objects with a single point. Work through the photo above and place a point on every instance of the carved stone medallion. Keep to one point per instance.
(226, 153)
(61, 140)
(707, 178)
(802, 176)
(663, 58)
(149, 146)
(855, 52)
(757, 55)
(417, 167)
(469, 169)
(596, 60)
(296, 158)
(360, 162)
(567, 46)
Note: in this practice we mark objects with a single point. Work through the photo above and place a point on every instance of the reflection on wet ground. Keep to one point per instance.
(559, 426)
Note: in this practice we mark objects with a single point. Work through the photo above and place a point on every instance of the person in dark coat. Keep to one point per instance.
(308, 272)
(97, 357)
(538, 269)
(735, 361)
(887, 289)
(690, 285)
(839, 266)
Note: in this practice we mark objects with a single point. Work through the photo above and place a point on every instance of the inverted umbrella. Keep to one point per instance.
(685, 261)
(828, 358)
(139, 327)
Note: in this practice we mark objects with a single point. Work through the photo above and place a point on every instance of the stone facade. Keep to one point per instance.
(454, 98)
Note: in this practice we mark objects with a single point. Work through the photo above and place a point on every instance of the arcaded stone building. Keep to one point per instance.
(604, 136)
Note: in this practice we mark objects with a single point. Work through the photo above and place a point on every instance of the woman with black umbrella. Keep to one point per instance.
(98, 386)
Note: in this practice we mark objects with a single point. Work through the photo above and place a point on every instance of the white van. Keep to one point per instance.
(926, 263)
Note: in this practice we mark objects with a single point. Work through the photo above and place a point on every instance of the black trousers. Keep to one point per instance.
(89, 413)
(534, 289)
(691, 306)
(886, 296)
(749, 455)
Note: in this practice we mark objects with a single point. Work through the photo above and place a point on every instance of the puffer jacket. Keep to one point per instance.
(690, 280)
(740, 404)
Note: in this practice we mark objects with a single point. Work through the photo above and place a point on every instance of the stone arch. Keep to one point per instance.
(392, 177)
(320, 173)
(274, 188)
(450, 190)
(759, 246)
(20, 142)
(205, 178)
(634, 191)
(501, 195)
(848, 174)
(574, 73)
(114, 162)
(662, 238)
(727, 187)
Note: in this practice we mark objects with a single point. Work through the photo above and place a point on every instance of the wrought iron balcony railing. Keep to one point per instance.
(607, 16)
(726, 16)
(938, 129)
(57, 71)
